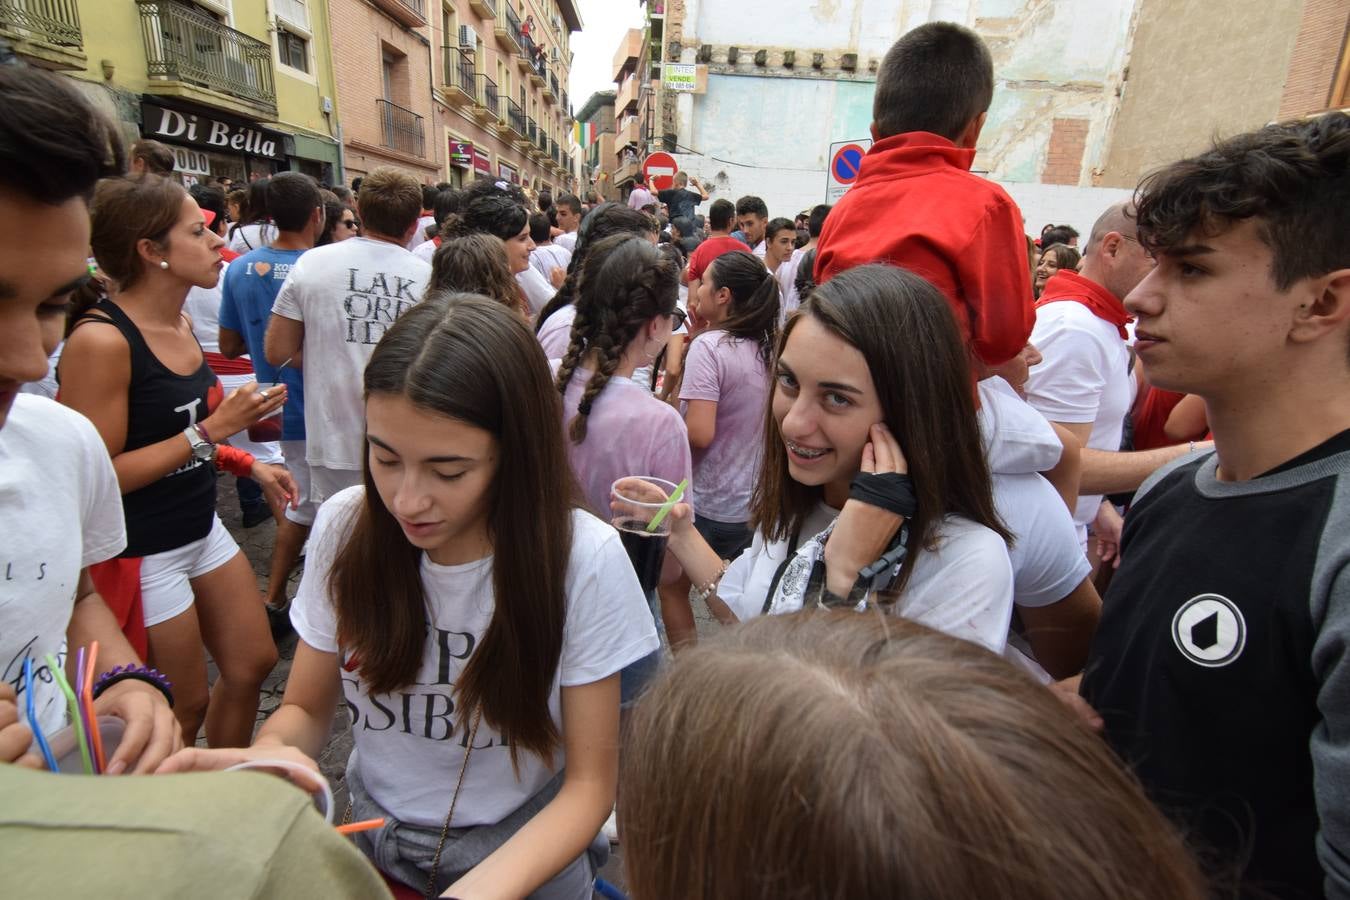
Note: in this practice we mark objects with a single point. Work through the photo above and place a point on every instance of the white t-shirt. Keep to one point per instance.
(203, 307)
(1017, 438)
(426, 250)
(1047, 557)
(538, 289)
(48, 386)
(251, 237)
(420, 232)
(1084, 377)
(761, 249)
(556, 333)
(60, 511)
(407, 763)
(567, 240)
(545, 259)
(964, 587)
(347, 294)
(787, 283)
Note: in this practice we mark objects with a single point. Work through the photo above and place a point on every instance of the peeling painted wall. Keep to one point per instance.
(770, 126)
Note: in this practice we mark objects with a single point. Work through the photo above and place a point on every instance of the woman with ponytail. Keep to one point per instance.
(553, 327)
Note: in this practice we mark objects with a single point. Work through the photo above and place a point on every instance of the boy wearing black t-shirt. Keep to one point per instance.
(1222, 663)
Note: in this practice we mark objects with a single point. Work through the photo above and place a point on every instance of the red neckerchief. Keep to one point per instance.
(1066, 285)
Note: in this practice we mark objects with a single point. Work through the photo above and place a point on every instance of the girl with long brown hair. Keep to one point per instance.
(872, 363)
(470, 616)
(133, 367)
(914, 765)
(475, 264)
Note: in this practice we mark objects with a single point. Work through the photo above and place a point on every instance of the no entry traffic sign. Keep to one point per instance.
(660, 171)
(845, 161)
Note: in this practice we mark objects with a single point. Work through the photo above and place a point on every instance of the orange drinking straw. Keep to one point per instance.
(87, 700)
(366, 825)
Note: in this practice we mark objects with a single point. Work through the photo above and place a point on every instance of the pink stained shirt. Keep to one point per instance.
(629, 432)
(730, 372)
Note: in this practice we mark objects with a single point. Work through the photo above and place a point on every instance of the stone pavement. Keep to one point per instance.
(257, 546)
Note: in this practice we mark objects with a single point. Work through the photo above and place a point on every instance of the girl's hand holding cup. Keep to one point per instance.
(242, 408)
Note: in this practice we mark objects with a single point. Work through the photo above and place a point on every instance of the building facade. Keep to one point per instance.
(236, 88)
(596, 118)
(501, 106)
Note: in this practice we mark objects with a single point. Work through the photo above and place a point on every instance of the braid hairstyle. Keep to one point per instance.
(753, 312)
(601, 222)
(625, 283)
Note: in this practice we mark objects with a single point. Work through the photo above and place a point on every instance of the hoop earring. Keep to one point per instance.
(163, 263)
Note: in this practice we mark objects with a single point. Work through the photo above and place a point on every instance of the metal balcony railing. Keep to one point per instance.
(487, 9)
(513, 28)
(542, 143)
(486, 93)
(515, 117)
(50, 21)
(401, 129)
(184, 44)
(553, 82)
(457, 70)
(531, 130)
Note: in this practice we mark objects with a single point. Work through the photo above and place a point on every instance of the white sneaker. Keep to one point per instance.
(611, 828)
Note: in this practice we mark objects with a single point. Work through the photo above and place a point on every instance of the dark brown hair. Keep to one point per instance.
(333, 208)
(53, 144)
(865, 755)
(1065, 256)
(601, 222)
(471, 359)
(626, 283)
(157, 158)
(937, 78)
(1293, 178)
(475, 264)
(126, 211)
(390, 201)
(755, 302)
(906, 332)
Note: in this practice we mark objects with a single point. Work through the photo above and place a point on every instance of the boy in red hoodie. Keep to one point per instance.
(916, 204)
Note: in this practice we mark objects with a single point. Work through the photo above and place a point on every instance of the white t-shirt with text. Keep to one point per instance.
(347, 295)
(60, 512)
(409, 744)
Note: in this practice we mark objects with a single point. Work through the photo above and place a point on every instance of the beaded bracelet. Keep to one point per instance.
(150, 676)
(703, 593)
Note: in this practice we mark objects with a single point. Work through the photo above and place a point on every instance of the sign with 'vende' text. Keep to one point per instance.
(210, 132)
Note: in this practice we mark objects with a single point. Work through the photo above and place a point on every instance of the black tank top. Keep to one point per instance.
(180, 507)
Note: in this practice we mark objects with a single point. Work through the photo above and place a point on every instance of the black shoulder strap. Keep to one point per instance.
(114, 315)
(782, 567)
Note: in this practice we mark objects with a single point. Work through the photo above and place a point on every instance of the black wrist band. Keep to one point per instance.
(152, 677)
(890, 491)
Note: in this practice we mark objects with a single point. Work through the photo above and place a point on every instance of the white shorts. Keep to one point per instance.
(293, 452)
(324, 483)
(264, 451)
(165, 591)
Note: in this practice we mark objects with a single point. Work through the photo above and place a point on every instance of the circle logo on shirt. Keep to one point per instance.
(1209, 630)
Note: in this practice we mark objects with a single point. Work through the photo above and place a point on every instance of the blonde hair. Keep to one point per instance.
(868, 756)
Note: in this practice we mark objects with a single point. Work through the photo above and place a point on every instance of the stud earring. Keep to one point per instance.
(163, 263)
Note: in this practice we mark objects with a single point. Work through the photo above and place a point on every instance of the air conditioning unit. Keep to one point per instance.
(468, 38)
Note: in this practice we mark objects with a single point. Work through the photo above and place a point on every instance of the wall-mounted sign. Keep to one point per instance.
(212, 132)
(691, 79)
(191, 162)
(481, 163)
(508, 173)
(461, 154)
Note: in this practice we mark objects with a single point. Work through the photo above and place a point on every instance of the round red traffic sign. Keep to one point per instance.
(846, 163)
(660, 170)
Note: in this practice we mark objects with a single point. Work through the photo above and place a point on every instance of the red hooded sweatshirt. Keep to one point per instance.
(916, 205)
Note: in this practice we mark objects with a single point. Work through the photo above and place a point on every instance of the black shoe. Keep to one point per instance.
(279, 619)
(256, 515)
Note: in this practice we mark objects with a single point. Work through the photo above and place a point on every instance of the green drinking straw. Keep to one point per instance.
(74, 705)
(666, 507)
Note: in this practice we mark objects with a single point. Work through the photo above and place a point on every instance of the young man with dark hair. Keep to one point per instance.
(780, 240)
(752, 217)
(721, 219)
(639, 197)
(547, 257)
(915, 202)
(679, 199)
(569, 212)
(249, 290)
(788, 272)
(1059, 234)
(426, 219)
(1221, 666)
(333, 308)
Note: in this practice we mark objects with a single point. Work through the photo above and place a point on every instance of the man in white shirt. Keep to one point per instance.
(568, 210)
(640, 196)
(1083, 380)
(335, 306)
(787, 272)
(752, 217)
(547, 255)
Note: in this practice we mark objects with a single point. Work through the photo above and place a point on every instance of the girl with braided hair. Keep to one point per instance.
(553, 327)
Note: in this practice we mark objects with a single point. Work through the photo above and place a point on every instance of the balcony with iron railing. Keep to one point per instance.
(551, 89)
(486, 9)
(515, 118)
(542, 143)
(539, 71)
(401, 129)
(528, 50)
(486, 102)
(47, 31)
(410, 13)
(457, 75)
(191, 55)
(507, 28)
(531, 134)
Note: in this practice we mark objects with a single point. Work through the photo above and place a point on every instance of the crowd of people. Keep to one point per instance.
(1026, 558)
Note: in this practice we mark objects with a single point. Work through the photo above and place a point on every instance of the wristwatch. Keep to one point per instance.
(202, 449)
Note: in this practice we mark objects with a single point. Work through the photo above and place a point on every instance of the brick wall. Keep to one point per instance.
(1317, 50)
(1064, 160)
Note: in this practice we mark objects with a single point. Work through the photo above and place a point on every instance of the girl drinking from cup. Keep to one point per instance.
(872, 363)
(471, 619)
(133, 367)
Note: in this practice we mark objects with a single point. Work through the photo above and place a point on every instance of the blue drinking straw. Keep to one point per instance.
(32, 717)
(608, 891)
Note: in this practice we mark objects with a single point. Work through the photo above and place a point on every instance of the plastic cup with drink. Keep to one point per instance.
(268, 428)
(641, 512)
